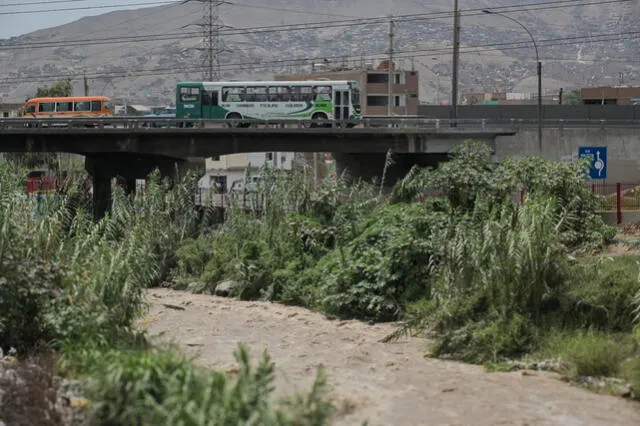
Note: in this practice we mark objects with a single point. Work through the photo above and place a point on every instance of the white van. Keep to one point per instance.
(238, 185)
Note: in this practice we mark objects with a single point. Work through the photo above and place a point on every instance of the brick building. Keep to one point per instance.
(374, 87)
(610, 95)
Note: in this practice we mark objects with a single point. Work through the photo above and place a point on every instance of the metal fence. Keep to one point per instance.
(619, 197)
(613, 199)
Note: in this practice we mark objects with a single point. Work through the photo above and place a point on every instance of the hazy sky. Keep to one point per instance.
(14, 24)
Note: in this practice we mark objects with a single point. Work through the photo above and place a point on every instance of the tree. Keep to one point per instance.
(34, 160)
(60, 88)
(572, 98)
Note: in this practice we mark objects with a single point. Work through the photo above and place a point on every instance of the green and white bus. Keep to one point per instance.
(317, 100)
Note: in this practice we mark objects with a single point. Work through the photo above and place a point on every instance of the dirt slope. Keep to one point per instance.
(387, 384)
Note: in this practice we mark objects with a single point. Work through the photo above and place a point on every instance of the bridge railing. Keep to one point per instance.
(186, 124)
(159, 124)
(145, 124)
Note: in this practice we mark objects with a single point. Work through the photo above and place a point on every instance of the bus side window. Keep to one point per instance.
(303, 94)
(296, 96)
(96, 106)
(322, 93)
(257, 94)
(210, 98)
(47, 107)
(234, 94)
(190, 94)
(64, 106)
(284, 94)
(83, 106)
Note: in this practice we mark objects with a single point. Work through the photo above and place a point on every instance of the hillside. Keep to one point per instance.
(146, 71)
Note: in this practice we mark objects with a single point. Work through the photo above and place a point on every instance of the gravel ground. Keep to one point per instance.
(386, 384)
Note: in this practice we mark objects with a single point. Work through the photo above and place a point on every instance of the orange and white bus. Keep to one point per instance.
(62, 107)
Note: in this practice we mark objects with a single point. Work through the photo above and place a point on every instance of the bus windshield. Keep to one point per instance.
(355, 96)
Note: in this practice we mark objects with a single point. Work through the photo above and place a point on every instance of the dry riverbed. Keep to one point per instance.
(386, 384)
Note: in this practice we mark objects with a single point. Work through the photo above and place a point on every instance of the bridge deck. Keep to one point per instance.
(211, 137)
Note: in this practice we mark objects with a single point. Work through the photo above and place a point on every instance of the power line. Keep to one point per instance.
(263, 65)
(35, 3)
(290, 27)
(289, 10)
(433, 52)
(41, 2)
(405, 17)
(524, 43)
(68, 9)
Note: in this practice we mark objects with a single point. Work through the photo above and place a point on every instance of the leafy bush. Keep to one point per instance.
(566, 183)
(494, 279)
(27, 291)
(590, 353)
(461, 180)
(162, 387)
(597, 293)
(389, 263)
(470, 176)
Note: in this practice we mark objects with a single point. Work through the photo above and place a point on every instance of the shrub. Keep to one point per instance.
(387, 265)
(27, 291)
(162, 387)
(498, 267)
(597, 293)
(590, 353)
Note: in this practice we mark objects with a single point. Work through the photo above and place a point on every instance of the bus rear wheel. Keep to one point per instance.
(234, 120)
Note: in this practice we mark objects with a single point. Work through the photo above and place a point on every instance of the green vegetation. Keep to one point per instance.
(57, 89)
(489, 278)
(70, 291)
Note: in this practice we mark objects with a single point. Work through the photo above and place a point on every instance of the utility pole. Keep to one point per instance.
(86, 84)
(391, 70)
(211, 39)
(560, 96)
(456, 61)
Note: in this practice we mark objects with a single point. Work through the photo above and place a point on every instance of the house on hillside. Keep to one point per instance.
(9, 110)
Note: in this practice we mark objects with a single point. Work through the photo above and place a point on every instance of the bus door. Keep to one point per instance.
(341, 105)
(189, 103)
(210, 105)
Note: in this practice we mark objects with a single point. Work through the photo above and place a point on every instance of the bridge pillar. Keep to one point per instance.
(370, 166)
(126, 168)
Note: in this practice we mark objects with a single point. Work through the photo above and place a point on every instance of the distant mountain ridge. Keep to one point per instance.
(167, 46)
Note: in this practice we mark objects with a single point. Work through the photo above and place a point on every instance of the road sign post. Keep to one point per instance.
(598, 156)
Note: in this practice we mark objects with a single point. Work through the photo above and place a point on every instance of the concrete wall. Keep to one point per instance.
(623, 145)
(529, 112)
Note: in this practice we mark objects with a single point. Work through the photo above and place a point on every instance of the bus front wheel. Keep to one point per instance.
(319, 120)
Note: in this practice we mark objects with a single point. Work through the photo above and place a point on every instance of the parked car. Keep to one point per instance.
(166, 112)
(239, 185)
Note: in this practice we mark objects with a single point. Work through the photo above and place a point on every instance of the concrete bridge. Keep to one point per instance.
(126, 148)
(209, 138)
